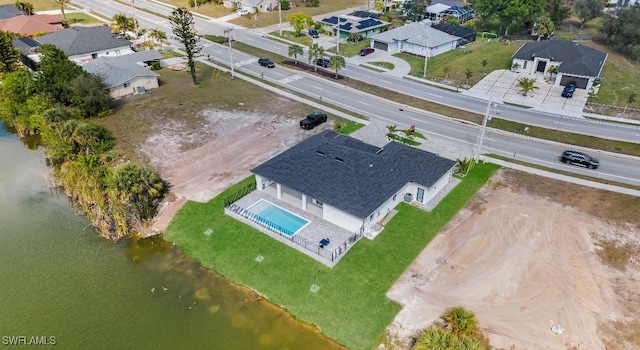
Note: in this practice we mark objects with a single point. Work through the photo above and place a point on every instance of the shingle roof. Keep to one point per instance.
(26, 45)
(351, 175)
(454, 29)
(416, 33)
(8, 11)
(437, 8)
(30, 25)
(116, 71)
(80, 40)
(575, 58)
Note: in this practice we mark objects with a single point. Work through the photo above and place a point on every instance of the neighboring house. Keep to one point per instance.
(417, 38)
(364, 23)
(31, 25)
(440, 9)
(28, 52)
(8, 11)
(82, 44)
(574, 61)
(620, 3)
(126, 75)
(436, 12)
(350, 183)
(466, 35)
(252, 5)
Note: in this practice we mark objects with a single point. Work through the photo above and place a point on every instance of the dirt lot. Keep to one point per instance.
(525, 263)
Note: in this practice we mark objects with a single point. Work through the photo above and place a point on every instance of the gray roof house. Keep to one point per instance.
(350, 183)
(573, 61)
(8, 11)
(126, 75)
(417, 38)
(82, 44)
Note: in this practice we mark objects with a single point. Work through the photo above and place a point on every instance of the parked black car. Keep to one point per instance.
(314, 33)
(265, 62)
(579, 158)
(569, 89)
(323, 62)
(313, 119)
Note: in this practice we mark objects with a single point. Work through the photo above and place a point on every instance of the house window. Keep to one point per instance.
(127, 85)
(524, 66)
(317, 202)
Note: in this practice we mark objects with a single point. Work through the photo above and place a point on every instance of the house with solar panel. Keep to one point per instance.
(323, 194)
(417, 38)
(362, 23)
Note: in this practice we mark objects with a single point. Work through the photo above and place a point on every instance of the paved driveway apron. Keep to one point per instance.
(503, 85)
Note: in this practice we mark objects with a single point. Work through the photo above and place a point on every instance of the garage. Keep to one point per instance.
(380, 45)
(581, 83)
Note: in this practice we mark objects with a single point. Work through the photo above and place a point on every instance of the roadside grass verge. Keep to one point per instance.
(347, 127)
(562, 172)
(385, 65)
(208, 9)
(629, 148)
(267, 18)
(301, 39)
(38, 5)
(351, 306)
(82, 18)
(350, 49)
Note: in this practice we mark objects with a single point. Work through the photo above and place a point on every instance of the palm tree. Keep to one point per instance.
(139, 187)
(121, 23)
(158, 36)
(461, 322)
(515, 66)
(336, 62)
(434, 338)
(62, 4)
(468, 73)
(544, 27)
(553, 70)
(446, 70)
(25, 7)
(295, 50)
(315, 51)
(526, 85)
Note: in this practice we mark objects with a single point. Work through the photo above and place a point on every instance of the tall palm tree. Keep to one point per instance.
(158, 36)
(526, 85)
(336, 62)
(62, 4)
(315, 51)
(295, 50)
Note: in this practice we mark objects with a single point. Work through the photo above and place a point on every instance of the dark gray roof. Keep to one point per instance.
(26, 45)
(351, 175)
(116, 71)
(8, 11)
(455, 30)
(79, 40)
(575, 58)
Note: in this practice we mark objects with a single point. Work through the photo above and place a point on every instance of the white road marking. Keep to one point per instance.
(364, 103)
(245, 62)
(384, 81)
(317, 87)
(290, 79)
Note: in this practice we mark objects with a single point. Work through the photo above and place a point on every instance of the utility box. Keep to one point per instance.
(408, 197)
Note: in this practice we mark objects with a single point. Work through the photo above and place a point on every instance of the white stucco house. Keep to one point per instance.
(350, 183)
(417, 38)
(252, 5)
(573, 61)
(82, 44)
(126, 75)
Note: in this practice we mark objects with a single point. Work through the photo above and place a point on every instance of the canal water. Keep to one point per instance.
(61, 283)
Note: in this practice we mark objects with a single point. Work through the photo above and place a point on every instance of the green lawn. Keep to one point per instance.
(497, 56)
(301, 39)
(617, 84)
(351, 306)
(385, 65)
(82, 18)
(38, 5)
(348, 126)
(350, 49)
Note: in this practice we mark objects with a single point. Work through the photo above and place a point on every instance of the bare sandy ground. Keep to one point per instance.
(223, 152)
(523, 264)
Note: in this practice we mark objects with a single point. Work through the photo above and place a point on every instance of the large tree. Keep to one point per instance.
(544, 26)
(9, 54)
(55, 73)
(558, 11)
(587, 10)
(90, 95)
(510, 12)
(629, 33)
(183, 27)
(298, 20)
(415, 9)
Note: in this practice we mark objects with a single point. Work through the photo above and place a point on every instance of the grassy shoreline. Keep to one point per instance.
(352, 292)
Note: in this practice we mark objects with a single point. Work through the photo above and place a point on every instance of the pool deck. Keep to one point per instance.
(318, 229)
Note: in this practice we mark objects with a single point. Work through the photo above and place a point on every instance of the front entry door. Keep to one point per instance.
(420, 196)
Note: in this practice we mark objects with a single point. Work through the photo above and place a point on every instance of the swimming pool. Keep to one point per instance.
(290, 222)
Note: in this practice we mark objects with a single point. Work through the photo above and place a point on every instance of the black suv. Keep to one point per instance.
(265, 62)
(569, 89)
(323, 62)
(313, 119)
(579, 158)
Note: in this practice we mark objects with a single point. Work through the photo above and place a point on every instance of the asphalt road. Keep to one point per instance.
(613, 167)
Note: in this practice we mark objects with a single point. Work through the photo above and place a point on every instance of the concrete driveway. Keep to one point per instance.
(503, 85)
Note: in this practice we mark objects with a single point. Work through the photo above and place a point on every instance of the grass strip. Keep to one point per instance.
(351, 306)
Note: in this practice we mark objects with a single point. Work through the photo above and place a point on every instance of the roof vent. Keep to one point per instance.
(320, 153)
(339, 159)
